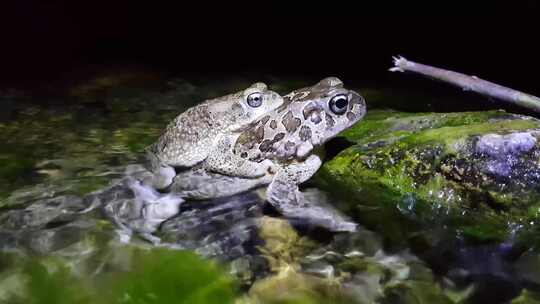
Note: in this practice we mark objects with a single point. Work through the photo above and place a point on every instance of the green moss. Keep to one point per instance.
(166, 276)
(291, 287)
(374, 124)
(485, 231)
(154, 276)
(50, 285)
(416, 165)
(81, 143)
(453, 137)
(527, 297)
(13, 166)
(89, 184)
(397, 191)
(413, 292)
(380, 124)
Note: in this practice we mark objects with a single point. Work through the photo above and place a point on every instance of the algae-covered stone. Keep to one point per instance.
(290, 286)
(477, 172)
(282, 244)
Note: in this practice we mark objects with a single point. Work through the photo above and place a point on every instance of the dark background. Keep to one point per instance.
(47, 41)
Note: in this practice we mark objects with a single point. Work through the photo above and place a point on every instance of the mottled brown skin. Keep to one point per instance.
(193, 135)
(302, 121)
(288, 137)
(282, 144)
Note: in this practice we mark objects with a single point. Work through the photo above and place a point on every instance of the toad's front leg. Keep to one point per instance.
(284, 195)
(222, 159)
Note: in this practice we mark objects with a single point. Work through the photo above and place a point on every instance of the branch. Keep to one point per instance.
(469, 83)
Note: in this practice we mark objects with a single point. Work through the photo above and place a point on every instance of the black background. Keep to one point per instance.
(46, 41)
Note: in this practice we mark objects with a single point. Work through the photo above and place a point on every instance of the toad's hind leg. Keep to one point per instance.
(284, 195)
(162, 174)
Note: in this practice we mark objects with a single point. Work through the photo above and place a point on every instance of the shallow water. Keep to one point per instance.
(63, 157)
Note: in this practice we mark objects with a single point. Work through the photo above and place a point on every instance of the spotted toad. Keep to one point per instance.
(191, 137)
(290, 137)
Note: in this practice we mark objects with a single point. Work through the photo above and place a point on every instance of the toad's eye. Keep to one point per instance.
(338, 104)
(254, 100)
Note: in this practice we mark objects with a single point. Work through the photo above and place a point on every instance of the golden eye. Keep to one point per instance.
(255, 100)
(338, 104)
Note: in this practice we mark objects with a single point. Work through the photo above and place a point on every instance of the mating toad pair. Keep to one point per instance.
(255, 138)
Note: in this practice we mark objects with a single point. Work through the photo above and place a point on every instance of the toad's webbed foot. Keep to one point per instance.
(161, 179)
(140, 209)
(291, 203)
(162, 173)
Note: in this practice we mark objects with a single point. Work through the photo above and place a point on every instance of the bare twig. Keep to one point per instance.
(469, 83)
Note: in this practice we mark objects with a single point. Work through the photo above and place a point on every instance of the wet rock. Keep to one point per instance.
(50, 225)
(224, 228)
(42, 213)
(501, 146)
(137, 208)
(49, 240)
(351, 268)
(474, 173)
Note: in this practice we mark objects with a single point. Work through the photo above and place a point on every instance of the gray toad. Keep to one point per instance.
(192, 136)
(290, 137)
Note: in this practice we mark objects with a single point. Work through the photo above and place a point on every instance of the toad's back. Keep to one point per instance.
(187, 140)
(192, 132)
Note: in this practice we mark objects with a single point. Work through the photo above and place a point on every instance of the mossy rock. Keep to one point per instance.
(474, 173)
